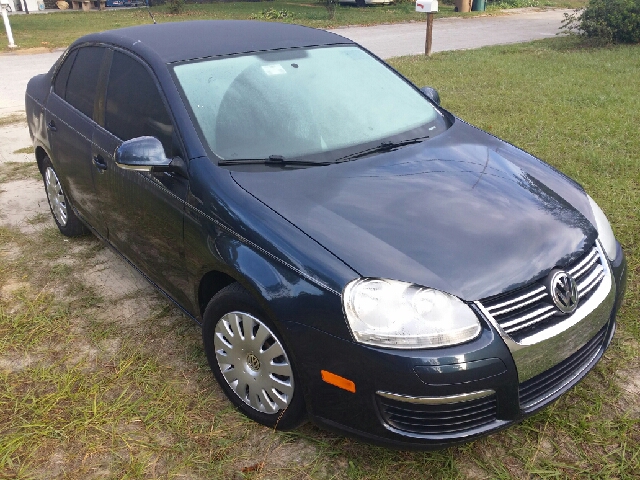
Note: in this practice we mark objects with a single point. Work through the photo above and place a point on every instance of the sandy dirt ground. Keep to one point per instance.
(20, 199)
(23, 200)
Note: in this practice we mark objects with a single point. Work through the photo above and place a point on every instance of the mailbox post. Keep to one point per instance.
(429, 7)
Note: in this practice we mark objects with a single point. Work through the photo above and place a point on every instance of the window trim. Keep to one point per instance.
(176, 136)
(101, 88)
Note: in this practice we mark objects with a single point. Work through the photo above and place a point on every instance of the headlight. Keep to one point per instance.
(389, 313)
(605, 234)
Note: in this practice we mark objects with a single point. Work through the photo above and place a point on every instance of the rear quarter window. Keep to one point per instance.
(60, 85)
(83, 79)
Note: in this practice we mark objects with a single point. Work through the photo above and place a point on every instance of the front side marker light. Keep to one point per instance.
(338, 381)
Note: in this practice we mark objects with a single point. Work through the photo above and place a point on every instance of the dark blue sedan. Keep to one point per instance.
(355, 253)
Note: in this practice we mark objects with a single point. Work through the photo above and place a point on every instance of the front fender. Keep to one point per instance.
(284, 294)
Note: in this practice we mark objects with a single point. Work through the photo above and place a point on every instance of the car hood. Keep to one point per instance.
(464, 213)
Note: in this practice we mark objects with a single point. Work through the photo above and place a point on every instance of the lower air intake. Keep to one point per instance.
(444, 419)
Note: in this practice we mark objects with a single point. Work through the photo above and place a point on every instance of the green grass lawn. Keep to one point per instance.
(88, 391)
(61, 28)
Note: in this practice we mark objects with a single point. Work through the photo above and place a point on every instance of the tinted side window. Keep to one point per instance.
(60, 85)
(134, 106)
(83, 79)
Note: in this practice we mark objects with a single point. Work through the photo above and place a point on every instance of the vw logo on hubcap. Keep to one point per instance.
(253, 362)
(564, 291)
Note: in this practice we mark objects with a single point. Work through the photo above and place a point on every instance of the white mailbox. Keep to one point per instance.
(427, 6)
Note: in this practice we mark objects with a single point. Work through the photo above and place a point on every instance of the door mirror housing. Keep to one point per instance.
(432, 94)
(142, 154)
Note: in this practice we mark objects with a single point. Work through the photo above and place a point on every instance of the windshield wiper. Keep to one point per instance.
(279, 160)
(274, 160)
(383, 147)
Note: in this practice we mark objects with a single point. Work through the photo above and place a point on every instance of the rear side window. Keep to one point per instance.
(60, 86)
(134, 106)
(83, 79)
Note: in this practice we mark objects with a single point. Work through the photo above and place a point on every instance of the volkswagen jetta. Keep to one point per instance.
(354, 252)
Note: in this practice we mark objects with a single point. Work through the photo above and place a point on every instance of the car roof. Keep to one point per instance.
(178, 41)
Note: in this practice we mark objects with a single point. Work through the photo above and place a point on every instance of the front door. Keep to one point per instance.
(143, 211)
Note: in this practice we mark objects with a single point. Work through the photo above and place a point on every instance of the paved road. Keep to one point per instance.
(384, 40)
(16, 70)
(453, 33)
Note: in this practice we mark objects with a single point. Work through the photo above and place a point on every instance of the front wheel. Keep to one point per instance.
(250, 361)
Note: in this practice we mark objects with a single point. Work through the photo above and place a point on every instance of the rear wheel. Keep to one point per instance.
(250, 361)
(360, 3)
(68, 223)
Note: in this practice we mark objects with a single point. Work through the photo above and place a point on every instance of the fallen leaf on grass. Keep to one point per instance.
(253, 468)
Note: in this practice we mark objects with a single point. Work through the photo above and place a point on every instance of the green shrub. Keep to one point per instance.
(271, 14)
(504, 4)
(612, 21)
(176, 6)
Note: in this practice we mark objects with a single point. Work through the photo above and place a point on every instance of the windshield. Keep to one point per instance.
(302, 103)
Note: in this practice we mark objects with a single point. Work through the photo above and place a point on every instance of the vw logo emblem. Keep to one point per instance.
(564, 291)
(253, 362)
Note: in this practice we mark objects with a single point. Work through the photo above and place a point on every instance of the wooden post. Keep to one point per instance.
(429, 7)
(428, 41)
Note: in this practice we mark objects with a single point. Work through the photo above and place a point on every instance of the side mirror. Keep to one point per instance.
(142, 154)
(432, 94)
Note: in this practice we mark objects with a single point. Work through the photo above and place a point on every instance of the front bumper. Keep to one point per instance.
(430, 399)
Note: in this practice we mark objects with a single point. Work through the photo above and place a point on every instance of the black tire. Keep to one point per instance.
(66, 220)
(360, 3)
(234, 304)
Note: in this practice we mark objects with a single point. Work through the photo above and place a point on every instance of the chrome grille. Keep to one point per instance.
(543, 387)
(443, 419)
(526, 311)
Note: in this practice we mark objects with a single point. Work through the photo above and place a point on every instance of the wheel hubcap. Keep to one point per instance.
(55, 195)
(253, 362)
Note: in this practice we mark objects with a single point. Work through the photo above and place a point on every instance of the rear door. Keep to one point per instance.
(143, 211)
(69, 116)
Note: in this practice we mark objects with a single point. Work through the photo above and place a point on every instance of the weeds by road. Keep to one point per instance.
(12, 119)
(102, 378)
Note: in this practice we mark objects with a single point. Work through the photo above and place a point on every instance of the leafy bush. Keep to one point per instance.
(176, 6)
(612, 21)
(504, 4)
(272, 14)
